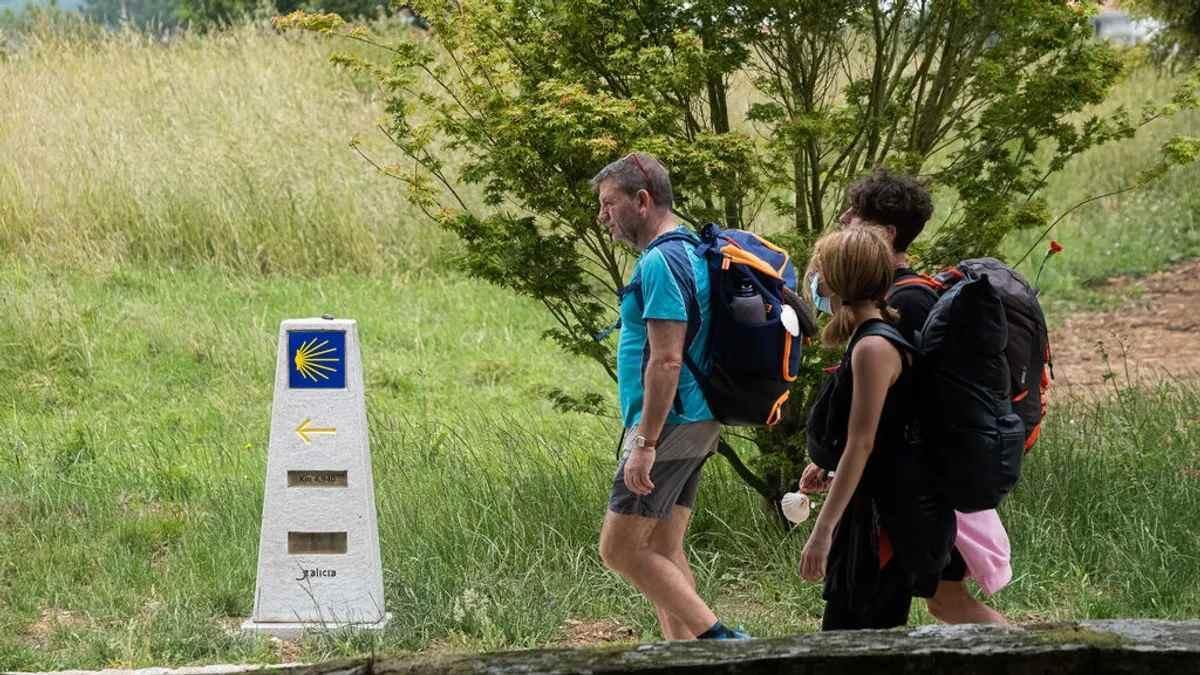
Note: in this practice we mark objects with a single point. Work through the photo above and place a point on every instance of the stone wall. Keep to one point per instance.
(1095, 647)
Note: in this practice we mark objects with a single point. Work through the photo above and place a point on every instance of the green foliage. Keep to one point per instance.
(983, 99)
(212, 13)
(532, 97)
(34, 22)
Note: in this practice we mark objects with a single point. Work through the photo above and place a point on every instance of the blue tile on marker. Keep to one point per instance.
(316, 359)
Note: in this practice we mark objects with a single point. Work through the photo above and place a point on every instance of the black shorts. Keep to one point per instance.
(681, 453)
(956, 569)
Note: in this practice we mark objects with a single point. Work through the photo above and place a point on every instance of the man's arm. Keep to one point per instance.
(661, 379)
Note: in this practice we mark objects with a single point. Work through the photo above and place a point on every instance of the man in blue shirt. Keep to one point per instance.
(669, 429)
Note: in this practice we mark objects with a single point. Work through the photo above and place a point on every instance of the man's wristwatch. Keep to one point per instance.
(640, 441)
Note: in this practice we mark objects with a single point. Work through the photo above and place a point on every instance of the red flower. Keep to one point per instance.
(1055, 247)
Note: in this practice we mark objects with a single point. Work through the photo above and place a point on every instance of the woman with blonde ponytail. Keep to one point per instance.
(884, 533)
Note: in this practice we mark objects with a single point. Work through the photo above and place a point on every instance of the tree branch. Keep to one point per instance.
(1064, 214)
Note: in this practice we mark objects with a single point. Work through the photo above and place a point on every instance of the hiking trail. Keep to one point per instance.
(1153, 335)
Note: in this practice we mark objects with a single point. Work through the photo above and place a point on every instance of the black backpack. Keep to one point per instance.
(966, 420)
(1027, 349)
(912, 507)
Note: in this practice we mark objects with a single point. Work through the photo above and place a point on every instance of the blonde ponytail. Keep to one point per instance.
(855, 264)
(889, 313)
(840, 327)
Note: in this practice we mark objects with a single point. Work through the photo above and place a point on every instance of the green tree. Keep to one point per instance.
(980, 98)
(763, 111)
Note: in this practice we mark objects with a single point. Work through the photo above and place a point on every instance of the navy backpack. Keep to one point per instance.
(753, 362)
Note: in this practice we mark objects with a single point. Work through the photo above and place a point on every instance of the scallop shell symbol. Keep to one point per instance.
(316, 358)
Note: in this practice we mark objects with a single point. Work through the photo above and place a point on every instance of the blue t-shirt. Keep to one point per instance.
(662, 298)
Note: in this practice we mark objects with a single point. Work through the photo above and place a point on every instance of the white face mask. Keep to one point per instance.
(819, 301)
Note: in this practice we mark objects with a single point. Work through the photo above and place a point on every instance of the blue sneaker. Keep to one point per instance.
(720, 631)
(736, 634)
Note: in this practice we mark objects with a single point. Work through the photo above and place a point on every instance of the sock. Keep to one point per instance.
(718, 630)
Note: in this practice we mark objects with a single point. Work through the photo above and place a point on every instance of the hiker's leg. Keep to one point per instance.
(627, 542)
(667, 540)
(952, 603)
(625, 548)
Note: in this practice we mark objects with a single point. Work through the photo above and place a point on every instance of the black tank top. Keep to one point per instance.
(828, 423)
(893, 437)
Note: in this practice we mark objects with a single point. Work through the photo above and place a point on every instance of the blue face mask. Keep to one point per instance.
(819, 301)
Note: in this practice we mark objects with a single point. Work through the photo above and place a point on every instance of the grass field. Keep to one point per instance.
(163, 208)
(132, 455)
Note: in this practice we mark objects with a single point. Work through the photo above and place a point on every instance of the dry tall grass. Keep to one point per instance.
(230, 149)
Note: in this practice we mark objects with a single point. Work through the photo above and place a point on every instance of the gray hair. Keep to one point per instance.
(639, 171)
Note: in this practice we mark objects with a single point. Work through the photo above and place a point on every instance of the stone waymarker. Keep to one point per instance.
(318, 557)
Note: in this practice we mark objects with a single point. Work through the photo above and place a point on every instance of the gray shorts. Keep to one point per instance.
(681, 453)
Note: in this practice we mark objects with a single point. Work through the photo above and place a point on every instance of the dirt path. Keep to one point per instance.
(1154, 334)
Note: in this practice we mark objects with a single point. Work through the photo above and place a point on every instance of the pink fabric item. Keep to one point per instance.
(983, 544)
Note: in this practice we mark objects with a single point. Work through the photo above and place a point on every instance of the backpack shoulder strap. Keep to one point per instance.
(949, 277)
(922, 283)
(674, 235)
(635, 285)
(887, 331)
(684, 280)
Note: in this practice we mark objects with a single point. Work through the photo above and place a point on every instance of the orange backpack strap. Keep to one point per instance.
(1043, 386)
(920, 280)
(948, 277)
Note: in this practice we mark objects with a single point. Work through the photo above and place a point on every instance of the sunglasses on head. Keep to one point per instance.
(638, 163)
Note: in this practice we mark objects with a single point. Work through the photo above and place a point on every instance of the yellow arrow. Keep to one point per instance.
(304, 430)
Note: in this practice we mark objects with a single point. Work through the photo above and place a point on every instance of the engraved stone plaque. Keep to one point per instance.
(316, 542)
(317, 479)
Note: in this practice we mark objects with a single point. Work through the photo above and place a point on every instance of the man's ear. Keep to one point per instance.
(645, 200)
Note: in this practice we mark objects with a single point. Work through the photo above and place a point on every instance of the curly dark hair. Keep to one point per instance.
(898, 200)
